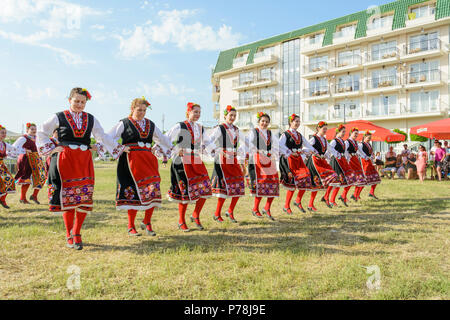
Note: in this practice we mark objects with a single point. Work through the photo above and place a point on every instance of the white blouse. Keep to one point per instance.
(216, 134)
(20, 142)
(206, 143)
(347, 146)
(285, 151)
(159, 138)
(252, 149)
(11, 151)
(45, 145)
(312, 141)
(361, 152)
(333, 150)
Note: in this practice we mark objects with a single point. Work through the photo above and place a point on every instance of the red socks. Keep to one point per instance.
(268, 204)
(77, 226)
(182, 211)
(372, 190)
(148, 216)
(36, 192)
(233, 203)
(346, 190)
(23, 191)
(3, 198)
(334, 195)
(327, 193)
(257, 202)
(198, 208)
(313, 197)
(131, 218)
(220, 203)
(289, 196)
(300, 196)
(358, 191)
(68, 218)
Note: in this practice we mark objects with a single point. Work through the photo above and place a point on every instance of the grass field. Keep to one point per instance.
(304, 256)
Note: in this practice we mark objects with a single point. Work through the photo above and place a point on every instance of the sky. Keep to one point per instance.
(121, 50)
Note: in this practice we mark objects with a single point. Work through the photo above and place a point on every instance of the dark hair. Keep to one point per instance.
(75, 91)
(422, 147)
(264, 116)
(293, 119)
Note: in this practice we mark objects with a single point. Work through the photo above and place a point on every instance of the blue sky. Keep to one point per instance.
(120, 50)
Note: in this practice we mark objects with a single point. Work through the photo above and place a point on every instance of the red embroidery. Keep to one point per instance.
(78, 133)
(188, 125)
(268, 141)
(341, 142)
(297, 138)
(143, 133)
(324, 146)
(235, 140)
(369, 147)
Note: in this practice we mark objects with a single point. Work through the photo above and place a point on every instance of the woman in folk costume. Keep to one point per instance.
(71, 174)
(7, 185)
(31, 168)
(227, 179)
(293, 172)
(351, 147)
(54, 140)
(322, 175)
(138, 179)
(340, 164)
(367, 155)
(263, 180)
(190, 182)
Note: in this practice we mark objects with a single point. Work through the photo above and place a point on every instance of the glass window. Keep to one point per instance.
(427, 101)
(351, 57)
(318, 112)
(245, 78)
(291, 79)
(384, 106)
(424, 42)
(384, 78)
(267, 74)
(318, 63)
(245, 98)
(384, 50)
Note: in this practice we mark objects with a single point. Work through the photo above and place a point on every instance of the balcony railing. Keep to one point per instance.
(340, 35)
(348, 61)
(385, 110)
(346, 87)
(380, 24)
(316, 67)
(423, 76)
(382, 54)
(241, 61)
(318, 116)
(253, 81)
(422, 46)
(383, 82)
(316, 91)
(267, 99)
(429, 13)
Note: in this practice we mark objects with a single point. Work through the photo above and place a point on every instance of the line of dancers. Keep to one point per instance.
(64, 141)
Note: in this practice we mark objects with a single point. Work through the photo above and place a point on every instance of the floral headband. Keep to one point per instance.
(292, 117)
(29, 125)
(340, 128)
(353, 130)
(145, 101)
(88, 95)
(2, 127)
(228, 110)
(322, 124)
(259, 115)
(191, 105)
(367, 133)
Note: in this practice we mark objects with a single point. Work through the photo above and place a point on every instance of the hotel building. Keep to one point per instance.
(388, 65)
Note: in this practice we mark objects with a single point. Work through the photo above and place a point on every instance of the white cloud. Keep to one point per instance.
(165, 88)
(173, 29)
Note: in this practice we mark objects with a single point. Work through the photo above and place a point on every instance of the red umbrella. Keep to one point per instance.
(378, 133)
(434, 130)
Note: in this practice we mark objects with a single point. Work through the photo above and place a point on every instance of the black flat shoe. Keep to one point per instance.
(133, 234)
(78, 246)
(231, 217)
(197, 223)
(218, 219)
(267, 213)
(34, 199)
(288, 211)
(4, 205)
(373, 196)
(312, 210)
(255, 214)
(24, 201)
(327, 203)
(180, 227)
(343, 201)
(148, 232)
(354, 198)
(300, 207)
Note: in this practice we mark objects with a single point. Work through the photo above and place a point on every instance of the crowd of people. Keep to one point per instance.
(414, 165)
(58, 153)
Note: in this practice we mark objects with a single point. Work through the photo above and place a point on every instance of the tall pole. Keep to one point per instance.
(163, 118)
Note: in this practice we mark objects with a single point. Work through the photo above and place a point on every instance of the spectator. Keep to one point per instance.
(391, 163)
(411, 166)
(379, 163)
(439, 157)
(405, 151)
(431, 159)
(401, 166)
(421, 163)
(446, 162)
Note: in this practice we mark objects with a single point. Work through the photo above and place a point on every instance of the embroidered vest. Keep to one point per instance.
(291, 143)
(133, 132)
(68, 132)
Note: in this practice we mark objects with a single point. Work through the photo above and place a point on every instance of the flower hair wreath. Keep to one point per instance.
(145, 101)
(191, 106)
(228, 110)
(29, 125)
(292, 117)
(2, 127)
(353, 130)
(322, 124)
(88, 95)
(340, 128)
(259, 115)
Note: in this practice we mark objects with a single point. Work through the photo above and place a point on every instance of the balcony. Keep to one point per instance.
(342, 36)
(333, 116)
(347, 89)
(401, 111)
(383, 57)
(240, 62)
(216, 111)
(260, 58)
(427, 15)
(382, 25)
(316, 93)
(313, 43)
(422, 79)
(424, 49)
(347, 64)
(216, 93)
(384, 111)
(383, 84)
(316, 69)
(256, 82)
(256, 102)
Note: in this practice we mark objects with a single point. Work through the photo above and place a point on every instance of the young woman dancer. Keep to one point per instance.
(31, 168)
(7, 185)
(227, 179)
(138, 179)
(370, 172)
(293, 172)
(351, 147)
(190, 182)
(263, 179)
(322, 175)
(71, 174)
(339, 163)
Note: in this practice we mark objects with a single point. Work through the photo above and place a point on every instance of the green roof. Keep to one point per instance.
(400, 8)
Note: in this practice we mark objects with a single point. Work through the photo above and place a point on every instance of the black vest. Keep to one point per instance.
(290, 141)
(340, 146)
(66, 133)
(367, 150)
(226, 139)
(261, 145)
(351, 148)
(185, 138)
(318, 146)
(131, 133)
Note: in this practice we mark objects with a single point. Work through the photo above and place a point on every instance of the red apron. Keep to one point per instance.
(267, 180)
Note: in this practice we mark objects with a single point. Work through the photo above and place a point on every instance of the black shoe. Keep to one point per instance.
(299, 206)
(24, 201)
(343, 201)
(218, 219)
(197, 223)
(184, 230)
(78, 246)
(288, 211)
(4, 205)
(311, 210)
(267, 213)
(327, 203)
(255, 214)
(354, 198)
(34, 199)
(133, 234)
(373, 196)
(231, 217)
(148, 232)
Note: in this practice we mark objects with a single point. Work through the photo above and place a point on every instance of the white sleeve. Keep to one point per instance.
(19, 143)
(252, 149)
(347, 155)
(162, 141)
(311, 142)
(116, 132)
(173, 135)
(208, 144)
(284, 150)
(361, 153)
(13, 152)
(332, 149)
(45, 131)
(113, 147)
(242, 148)
(213, 135)
(275, 146)
(307, 146)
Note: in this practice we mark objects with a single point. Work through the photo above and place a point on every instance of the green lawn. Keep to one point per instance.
(304, 256)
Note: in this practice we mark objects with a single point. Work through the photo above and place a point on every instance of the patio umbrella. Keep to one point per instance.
(434, 130)
(378, 133)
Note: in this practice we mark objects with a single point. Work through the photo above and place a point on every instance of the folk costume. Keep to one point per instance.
(227, 180)
(31, 168)
(373, 179)
(323, 176)
(263, 180)
(138, 178)
(190, 181)
(71, 175)
(294, 175)
(352, 156)
(7, 185)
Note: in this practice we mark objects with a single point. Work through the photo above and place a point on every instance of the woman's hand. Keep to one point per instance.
(126, 149)
(58, 150)
(94, 148)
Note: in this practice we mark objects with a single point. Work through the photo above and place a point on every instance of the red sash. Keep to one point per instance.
(198, 178)
(267, 180)
(298, 167)
(38, 171)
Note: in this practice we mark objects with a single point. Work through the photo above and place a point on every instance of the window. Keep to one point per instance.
(245, 98)
(424, 101)
(265, 52)
(348, 83)
(318, 87)
(352, 109)
(345, 32)
(383, 78)
(318, 64)
(266, 95)
(381, 22)
(422, 12)
(424, 42)
(266, 74)
(384, 50)
(245, 78)
(347, 58)
(316, 39)
(425, 71)
(384, 106)
(318, 112)
(291, 79)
